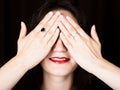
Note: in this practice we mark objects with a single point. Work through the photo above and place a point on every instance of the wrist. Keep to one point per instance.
(11, 72)
(20, 61)
(96, 65)
(101, 65)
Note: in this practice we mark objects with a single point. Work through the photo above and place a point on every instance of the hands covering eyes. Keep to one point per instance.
(35, 46)
(84, 49)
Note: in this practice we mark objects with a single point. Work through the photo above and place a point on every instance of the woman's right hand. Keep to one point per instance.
(35, 46)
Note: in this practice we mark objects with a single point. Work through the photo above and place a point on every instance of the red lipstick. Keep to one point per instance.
(59, 60)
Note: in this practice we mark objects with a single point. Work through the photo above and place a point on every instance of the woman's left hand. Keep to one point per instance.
(85, 50)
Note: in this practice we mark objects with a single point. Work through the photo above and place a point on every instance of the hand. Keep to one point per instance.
(85, 50)
(35, 46)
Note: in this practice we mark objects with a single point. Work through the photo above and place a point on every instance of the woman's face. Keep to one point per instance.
(58, 62)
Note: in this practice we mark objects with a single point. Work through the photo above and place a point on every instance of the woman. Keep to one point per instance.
(63, 50)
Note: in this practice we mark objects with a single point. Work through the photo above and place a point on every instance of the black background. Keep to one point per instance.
(105, 14)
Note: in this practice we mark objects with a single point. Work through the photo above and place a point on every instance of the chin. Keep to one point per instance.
(64, 68)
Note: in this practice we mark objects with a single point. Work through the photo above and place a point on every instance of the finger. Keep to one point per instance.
(65, 41)
(77, 27)
(50, 23)
(46, 18)
(51, 31)
(47, 26)
(23, 30)
(67, 35)
(44, 21)
(54, 38)
(68, 26)
(94, 34)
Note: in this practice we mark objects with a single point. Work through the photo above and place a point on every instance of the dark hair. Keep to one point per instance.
(82, 78)
(50, 5)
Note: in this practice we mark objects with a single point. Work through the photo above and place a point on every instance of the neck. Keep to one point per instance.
(51, 82)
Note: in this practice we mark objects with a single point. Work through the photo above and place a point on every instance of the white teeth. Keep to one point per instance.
(58, 58)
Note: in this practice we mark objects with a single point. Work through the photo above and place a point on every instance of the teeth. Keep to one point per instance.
(59, 58)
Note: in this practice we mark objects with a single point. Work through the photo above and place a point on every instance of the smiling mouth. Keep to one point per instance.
(59, 60)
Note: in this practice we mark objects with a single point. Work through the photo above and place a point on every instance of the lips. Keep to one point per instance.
(59, 60)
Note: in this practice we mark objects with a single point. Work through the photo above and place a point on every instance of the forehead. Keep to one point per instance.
(66, 13)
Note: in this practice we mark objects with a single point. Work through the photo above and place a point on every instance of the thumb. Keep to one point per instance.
(94, 34)
(23, 30)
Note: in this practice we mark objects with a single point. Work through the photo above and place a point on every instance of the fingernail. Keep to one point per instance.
(50, 13)
(68, 17)
(57, 13)
(21, 23)
(93, 27)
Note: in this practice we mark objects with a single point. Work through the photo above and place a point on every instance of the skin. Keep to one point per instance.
(58, 76)
(70, 38)
(59, 49)
(31, 44)
(88, 52)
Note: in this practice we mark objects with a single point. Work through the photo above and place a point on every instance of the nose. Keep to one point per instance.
(59, 46)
